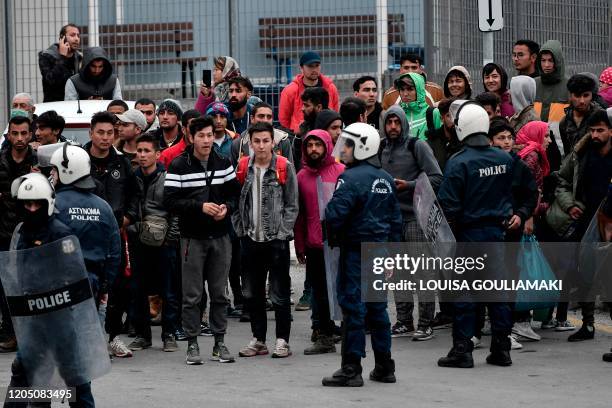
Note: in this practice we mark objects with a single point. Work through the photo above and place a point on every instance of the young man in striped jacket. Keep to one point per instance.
(201, 187)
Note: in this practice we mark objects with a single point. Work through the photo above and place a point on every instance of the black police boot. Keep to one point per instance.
(349, 375)
(500, 351)
(384, 370)
(459, 356)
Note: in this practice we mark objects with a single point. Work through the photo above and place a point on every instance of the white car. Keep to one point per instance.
(77, 115)
(77, 122)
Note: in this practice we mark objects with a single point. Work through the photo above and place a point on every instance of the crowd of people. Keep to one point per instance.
(186, 202)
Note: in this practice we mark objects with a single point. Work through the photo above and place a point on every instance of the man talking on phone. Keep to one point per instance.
(59, 62)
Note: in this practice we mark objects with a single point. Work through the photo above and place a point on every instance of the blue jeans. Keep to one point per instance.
(84, 397)
(354, 311)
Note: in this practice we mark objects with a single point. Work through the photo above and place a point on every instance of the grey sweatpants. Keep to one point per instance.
(205, 260)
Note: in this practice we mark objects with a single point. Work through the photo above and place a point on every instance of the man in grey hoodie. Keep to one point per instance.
(551, 84)
(405, 158)
(95, 80)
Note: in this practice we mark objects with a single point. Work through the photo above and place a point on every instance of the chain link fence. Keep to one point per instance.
(160, 47)
(584, 28)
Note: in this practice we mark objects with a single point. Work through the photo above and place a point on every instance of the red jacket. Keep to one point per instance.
(307, 229)
(172, 152)
(290, 107)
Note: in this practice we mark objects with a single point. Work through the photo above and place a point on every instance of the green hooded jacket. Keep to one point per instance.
(551, 88)
(416, 111)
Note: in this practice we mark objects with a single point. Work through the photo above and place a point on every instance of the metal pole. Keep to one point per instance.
(609, 31)
(487, 48)
(8, 57)
(382, 41)
(428, 33)
(231, 11)
(94, 40)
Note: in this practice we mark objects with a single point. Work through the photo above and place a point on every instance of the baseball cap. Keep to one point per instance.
(309, 57)
(133, 116)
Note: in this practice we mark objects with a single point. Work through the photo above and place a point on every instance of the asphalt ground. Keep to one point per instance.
(551, 372)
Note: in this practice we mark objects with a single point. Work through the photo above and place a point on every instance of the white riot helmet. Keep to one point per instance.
(34, 187)
(470, 118)
(73, 166)
(364, 137)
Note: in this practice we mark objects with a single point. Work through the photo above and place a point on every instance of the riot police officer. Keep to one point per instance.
(36, 199)
(364, 208)
(476, 198)
(90, 217)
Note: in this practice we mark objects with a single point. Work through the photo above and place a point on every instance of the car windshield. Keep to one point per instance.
(80, 136)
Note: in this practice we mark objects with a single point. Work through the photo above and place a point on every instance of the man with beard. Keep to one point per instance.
(404, 158)
(584, 178)
(240, 90)
(59, 62)
(169, 132)
(574, 125)
(15, 161)
(319, 162)
(314, 100)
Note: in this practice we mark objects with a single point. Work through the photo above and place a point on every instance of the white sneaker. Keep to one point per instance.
(514, 344)
(476, 342)
(119, 349)
(281, 350)
(524, 329)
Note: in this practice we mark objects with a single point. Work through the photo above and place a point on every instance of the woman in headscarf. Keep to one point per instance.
(226, 68)
(523, 91)
(458, 83)
(495, 80)
(531, 142)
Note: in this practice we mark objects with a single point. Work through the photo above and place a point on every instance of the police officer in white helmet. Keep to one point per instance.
(364, 208)
(476, 198)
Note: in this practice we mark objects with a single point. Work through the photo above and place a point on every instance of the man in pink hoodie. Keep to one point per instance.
(290, 106)
(317, 161)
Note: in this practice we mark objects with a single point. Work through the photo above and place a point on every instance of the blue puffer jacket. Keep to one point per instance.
(477, 186)
(92, 220)
(364, 207)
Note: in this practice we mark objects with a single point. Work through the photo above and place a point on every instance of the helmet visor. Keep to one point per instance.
(345, 148)
(45, 152)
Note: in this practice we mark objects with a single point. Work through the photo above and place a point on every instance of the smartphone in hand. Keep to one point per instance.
(207, 77)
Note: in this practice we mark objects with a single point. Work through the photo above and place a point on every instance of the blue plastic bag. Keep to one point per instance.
(533, 266)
